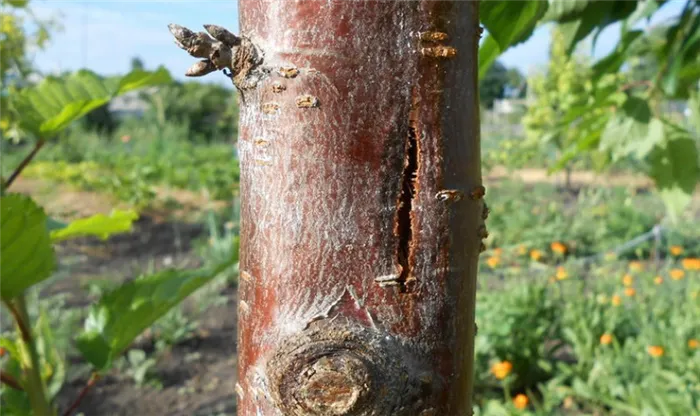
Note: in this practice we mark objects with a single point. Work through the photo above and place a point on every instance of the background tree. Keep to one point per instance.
(501, 82)
(517, 83)
(210, 111)
(493, 85)
(20, 31)
(137, 64)
(565, 84)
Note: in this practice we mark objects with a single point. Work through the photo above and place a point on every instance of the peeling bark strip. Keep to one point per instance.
(361, 204)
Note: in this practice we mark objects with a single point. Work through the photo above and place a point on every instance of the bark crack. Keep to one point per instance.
(404, 226)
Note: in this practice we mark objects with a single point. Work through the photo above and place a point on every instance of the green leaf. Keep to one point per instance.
(17, 3)
(511, 21)
(562, 10)
(121, 315)
(52, 105)
(674, 168)
(629, 132)
(488, 52)
(54, 224)
(99, 225)
(52, 357)
(10, 347)
(645, 9)
(681, 62)
(581, 21)
(26, 255)
(139, 79)
(613, 61)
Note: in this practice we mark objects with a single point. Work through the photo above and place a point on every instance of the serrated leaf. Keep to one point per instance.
(627, 133)
(99, 225)
(674, 168)
(511, 21)
(121, 315)
(26, 255)
(655, 136)
(52, 105)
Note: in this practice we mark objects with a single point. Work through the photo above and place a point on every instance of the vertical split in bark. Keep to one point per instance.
(404, 217)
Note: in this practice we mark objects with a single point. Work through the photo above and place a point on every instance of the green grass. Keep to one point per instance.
(134, 162)
(551, 331)
(551, 319)
(596, 220)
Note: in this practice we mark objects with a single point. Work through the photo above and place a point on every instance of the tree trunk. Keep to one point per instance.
(362, 216)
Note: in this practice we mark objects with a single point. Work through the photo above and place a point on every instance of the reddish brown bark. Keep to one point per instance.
(361, 210)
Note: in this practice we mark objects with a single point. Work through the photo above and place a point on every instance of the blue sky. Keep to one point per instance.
(104, 35)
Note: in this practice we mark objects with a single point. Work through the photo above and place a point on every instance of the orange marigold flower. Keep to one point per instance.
(520, 401)
(493, 262)
(677, 274)
(497, 251)
(658, 280)
(676, 250)
(522, 250)
(629, 291)
(606, 339)
(568, 402)
(125, 138)
(562, 274)
(536, 255)
(3, 351)
(501, 369)
(558, 247)
(691, 263)
(655, 351)
(627, 280)
(693, 344)
(616, 300)
(636, 266)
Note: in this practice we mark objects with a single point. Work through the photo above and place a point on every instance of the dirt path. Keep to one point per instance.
(578, 179)
(67, 203)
